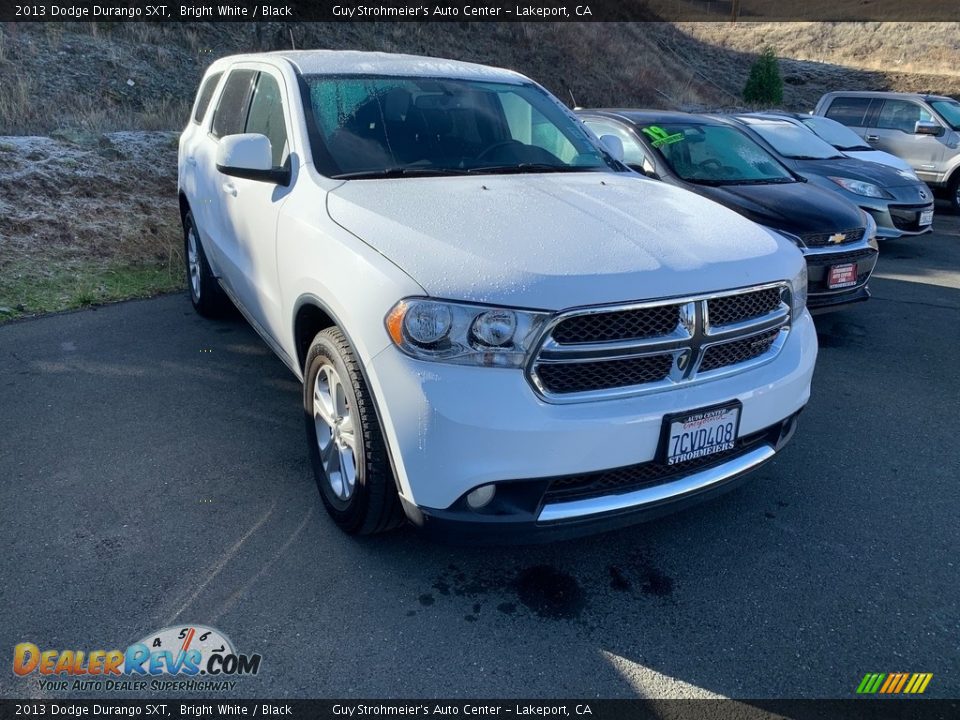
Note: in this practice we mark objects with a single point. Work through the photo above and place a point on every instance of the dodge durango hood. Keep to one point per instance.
(797, 208)
(559, 240)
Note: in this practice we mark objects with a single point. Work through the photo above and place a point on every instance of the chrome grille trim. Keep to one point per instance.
(687, 343)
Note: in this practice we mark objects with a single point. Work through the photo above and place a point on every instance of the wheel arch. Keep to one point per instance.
(312, 315)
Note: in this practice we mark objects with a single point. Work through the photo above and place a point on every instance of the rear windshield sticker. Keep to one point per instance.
(660, 137)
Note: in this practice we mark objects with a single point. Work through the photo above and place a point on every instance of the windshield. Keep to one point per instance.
(386, 126)
(714, 155)
(838, 135)
(794, 142)
(949, 110)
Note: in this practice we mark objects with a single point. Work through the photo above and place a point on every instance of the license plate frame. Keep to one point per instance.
(925, 217)
(721, 411)
(841, 276)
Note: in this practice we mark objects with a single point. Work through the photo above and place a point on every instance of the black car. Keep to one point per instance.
(722, 162)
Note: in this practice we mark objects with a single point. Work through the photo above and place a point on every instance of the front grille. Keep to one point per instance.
(626, 350)
(607, 326)
(738, 351)
(814, 240)
(746, 306)
(636, 477)
(831, 259)
(586, 376)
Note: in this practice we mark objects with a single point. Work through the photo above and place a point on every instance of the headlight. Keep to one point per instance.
(798, 291)
(858, 187)
(464, 334)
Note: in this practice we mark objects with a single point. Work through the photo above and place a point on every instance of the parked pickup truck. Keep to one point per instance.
(501, 330)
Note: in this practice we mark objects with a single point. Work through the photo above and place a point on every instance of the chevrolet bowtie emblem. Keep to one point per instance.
(836, 238)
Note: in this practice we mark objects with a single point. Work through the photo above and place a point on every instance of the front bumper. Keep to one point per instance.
(820, 297)
(452, 428)
(896, 220)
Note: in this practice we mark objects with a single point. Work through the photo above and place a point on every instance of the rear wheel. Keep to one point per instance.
(346, 445)
(205, 292)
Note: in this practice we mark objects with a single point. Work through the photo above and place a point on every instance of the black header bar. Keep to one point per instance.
(478, 10)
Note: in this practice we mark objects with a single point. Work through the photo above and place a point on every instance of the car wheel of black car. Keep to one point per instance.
(346, 445)
(205, 292)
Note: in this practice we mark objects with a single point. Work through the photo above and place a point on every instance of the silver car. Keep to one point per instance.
(924, 130)
(900, 205)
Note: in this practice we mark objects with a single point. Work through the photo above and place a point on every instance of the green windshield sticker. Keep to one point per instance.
(661, 137)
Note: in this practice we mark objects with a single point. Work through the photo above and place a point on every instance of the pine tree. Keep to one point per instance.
(764, 86)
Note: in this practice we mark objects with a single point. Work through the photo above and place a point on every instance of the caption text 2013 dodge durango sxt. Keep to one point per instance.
(501, 330)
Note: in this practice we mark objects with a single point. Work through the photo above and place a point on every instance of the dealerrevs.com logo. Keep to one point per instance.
(200, 658)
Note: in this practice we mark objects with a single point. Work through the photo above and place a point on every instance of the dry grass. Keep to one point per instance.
(87, 217)
(903, 47)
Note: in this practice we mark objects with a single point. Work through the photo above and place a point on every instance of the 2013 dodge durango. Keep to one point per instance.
(502, 331)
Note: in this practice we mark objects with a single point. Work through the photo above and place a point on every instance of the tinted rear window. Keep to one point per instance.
(204, 96)
(231, 113)
(849, 110)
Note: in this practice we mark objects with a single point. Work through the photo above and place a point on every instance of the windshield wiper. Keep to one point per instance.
(814, 157)
(526, 168)
(764, 181)
(395, 172)
(855, 148)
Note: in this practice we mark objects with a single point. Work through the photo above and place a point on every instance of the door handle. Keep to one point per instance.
(872, 138)
(229, 188)
(191, 160)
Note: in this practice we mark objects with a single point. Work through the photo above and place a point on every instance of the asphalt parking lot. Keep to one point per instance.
(153, 472)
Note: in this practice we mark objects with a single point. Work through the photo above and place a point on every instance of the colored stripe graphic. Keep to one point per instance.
(894, 683)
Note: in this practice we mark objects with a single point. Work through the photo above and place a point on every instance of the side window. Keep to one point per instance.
(633, 153)
(849, 110)
(231, 114)
(266, 117)
(901, 115)
(204, 96)
(528, 125)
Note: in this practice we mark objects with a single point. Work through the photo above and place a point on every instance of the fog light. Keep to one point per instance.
(481, 497)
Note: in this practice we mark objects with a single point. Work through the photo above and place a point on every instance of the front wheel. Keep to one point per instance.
(346, 445)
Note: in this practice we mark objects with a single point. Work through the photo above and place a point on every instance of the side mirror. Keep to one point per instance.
(613, 145)
(250, 156)
(928, 128)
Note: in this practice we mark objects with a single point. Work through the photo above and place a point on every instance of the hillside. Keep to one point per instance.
(75, 232)
(123, 76)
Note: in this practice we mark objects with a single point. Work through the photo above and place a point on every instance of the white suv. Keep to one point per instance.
(501, 330)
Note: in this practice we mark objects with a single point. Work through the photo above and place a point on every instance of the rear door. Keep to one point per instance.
(251, 208)
(851, 111)
(196, 159)
(893, 131)
(228, 118)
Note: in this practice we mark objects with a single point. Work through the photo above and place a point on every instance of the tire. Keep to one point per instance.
(345, 439)
(205, 292)
(953, 190)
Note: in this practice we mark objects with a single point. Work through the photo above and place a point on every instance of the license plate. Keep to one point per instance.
(842, 276)
(926, 217)
(700, 433)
